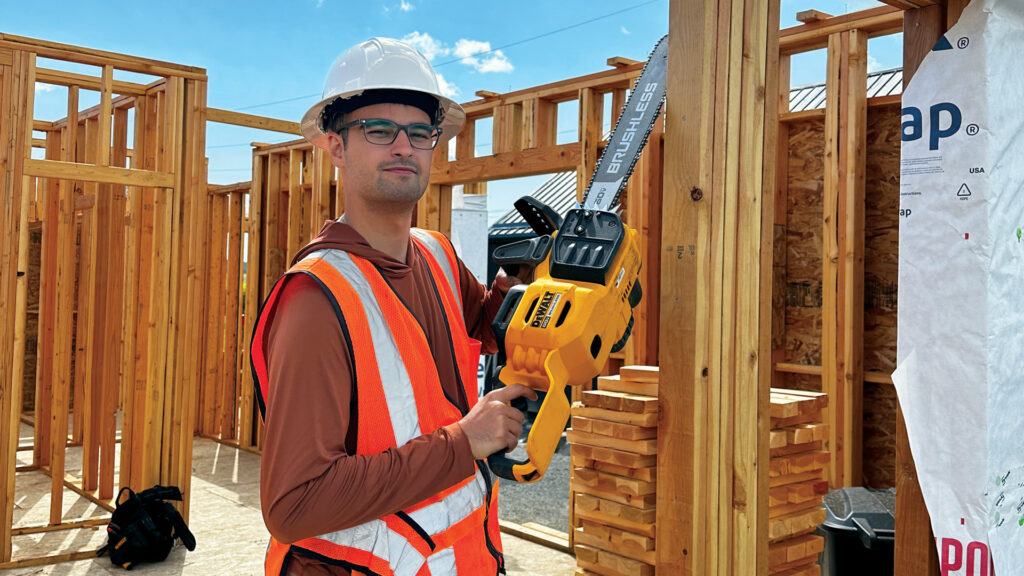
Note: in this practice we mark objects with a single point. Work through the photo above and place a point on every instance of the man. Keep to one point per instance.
(365, 353)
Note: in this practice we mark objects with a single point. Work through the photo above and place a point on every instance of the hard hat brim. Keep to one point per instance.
(454, 117)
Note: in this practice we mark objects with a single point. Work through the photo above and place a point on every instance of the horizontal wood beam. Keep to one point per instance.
(62, 78)
(874, 22)
(872, 376)
(812, 16)
(620, 62)
(224, 189)
(101, 174)
(252, 121)
(529, 162)
(82, 55)
(124, 101)
(558, 91)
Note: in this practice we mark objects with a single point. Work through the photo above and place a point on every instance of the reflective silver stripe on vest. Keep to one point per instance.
(398, 390)
(442, 563)
(375, 536)
(438, 516)
(437, 251)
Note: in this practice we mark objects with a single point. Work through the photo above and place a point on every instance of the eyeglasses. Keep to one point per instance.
(383, 132)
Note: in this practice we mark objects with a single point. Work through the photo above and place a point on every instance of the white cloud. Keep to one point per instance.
(447, 88)
(426, 44)
(624, 31)
(873, 64)
(496, 61)
(467, 48)
(405, 6)
(45, 87)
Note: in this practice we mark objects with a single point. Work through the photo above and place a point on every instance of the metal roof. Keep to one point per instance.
(883, 83)
(559, 191)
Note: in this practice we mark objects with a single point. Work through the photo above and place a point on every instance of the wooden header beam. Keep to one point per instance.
(556, 91)
(62, 78)
(874, 22)
(252, 121)
(101, 174)
(82, 55)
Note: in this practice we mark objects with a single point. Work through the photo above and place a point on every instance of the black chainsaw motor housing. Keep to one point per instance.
(586, 245)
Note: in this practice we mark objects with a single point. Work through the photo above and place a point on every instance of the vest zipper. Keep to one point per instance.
(498, 556)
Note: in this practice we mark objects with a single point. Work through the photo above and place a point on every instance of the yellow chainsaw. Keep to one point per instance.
(559, 330)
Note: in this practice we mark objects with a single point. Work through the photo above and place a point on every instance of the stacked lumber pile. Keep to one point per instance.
(797, 480)
(614, 439)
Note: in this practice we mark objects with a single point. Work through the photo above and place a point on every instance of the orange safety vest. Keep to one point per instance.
(400, 397)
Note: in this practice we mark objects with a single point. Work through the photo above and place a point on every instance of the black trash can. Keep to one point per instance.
(859, 531)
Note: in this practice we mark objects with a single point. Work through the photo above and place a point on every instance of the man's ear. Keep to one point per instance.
(336, 149)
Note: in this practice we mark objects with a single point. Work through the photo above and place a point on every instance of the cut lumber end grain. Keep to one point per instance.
(647, 419)
(613, 456)
(645, 447)
(640, 373)
(619, 401)
(621, 384)
(790, 403)
(610, 564)
(611, 513)
(798, 463)
(795, 524)
(604, 482)
(621, 61)
(812, 16)
(613, 429)
(611, 540)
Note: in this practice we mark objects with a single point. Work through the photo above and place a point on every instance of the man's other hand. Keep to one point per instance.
(503, 281)
(492, 424)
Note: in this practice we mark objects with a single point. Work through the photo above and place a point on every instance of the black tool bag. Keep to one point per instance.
(144, 526)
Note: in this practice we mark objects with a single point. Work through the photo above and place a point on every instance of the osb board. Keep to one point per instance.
(881, 239)
(800, 286)
(881, 275)
(28, 392)
(804, 207)
(879, 435)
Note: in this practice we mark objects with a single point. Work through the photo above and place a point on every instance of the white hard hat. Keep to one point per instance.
(380, 64)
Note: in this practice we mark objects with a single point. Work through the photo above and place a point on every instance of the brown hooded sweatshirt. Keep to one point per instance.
(312, 481)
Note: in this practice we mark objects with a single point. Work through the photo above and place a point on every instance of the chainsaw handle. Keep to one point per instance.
(501, 464)
(530, 252)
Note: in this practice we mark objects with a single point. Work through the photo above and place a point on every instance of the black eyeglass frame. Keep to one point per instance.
(435, 131)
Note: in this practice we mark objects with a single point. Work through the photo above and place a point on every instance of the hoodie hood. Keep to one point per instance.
(340, 236)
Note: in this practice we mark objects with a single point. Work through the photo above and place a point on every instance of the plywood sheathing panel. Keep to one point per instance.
(802, 288)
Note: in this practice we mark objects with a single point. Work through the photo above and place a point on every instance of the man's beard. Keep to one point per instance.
(398, 191)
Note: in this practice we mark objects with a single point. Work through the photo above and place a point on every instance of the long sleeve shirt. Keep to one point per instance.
(312, 481)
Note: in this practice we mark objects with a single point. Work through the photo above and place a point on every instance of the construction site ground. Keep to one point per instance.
(225, 518)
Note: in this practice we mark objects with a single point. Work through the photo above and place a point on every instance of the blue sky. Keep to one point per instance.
(270, 58)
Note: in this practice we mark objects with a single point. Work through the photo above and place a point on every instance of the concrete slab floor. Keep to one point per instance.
(225, 518)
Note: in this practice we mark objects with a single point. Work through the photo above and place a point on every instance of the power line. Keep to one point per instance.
(502, 47)
(552, 32)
